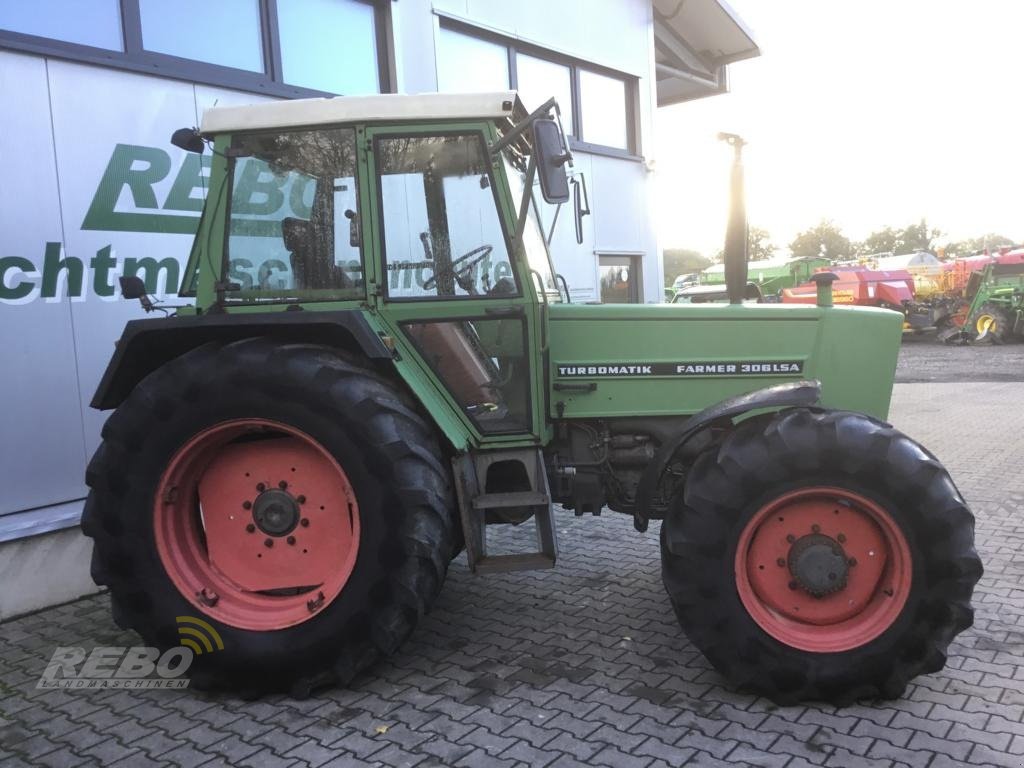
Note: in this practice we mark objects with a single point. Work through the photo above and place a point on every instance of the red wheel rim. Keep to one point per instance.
(823, 569)
(256, 524)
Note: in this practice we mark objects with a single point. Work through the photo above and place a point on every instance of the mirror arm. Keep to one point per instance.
(516, 130)
(524, 204)
(554, 221)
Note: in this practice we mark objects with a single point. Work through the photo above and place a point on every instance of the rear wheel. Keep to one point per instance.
(992, 323)
(820, 556)
(289, 499)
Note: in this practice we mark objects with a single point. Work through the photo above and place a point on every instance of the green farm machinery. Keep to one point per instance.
(379, 362)
(996, 311)
(771, 276)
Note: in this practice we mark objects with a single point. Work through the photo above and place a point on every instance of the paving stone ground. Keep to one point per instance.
(581, 665)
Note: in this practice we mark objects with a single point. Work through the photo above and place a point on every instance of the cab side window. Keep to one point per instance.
(293, 214)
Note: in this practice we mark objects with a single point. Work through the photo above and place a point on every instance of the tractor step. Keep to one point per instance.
(472, 475)
(514, 499)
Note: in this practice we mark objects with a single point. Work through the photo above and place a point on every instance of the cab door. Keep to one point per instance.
(450, 287)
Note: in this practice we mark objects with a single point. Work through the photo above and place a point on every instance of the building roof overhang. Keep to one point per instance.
(694, 41)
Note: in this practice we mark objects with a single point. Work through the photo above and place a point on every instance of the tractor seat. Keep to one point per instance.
(312, 266)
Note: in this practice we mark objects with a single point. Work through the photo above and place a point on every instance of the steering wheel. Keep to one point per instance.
(460, 270)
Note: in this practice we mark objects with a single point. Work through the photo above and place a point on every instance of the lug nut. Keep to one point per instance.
(291, 540)
(261, 487)
(246, 505)
(268, 543)
(815, 528)
(301, 499)
(304, 522)
(282, 485)
(790, 538)
(841, 538)
(781, 562)
(793, 585)
(852, 561)
(251, 528)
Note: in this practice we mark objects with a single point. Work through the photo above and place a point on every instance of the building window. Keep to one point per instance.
(537, 80)
(597, 104)
(466, 64)
(96, 24)
(603, 104)
(312, 54)
(289, 48)
(620, 279)
(226, 33)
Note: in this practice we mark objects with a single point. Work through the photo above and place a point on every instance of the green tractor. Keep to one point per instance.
(996, 312)
(381, 363)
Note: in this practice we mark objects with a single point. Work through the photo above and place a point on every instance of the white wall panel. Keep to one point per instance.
(112, 128)
(42, 455)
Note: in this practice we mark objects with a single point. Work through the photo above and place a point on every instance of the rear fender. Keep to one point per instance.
(145, 345)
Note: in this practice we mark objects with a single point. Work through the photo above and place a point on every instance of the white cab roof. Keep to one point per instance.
(352, 109)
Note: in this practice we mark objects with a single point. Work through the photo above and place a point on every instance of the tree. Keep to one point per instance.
(910, 239)
(880, 241)
(680, 261)
(760, 244)
(977, 244)
(825, 240)
(916, 237)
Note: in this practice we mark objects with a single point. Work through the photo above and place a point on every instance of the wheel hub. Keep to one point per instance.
(275, 512)
(818, 564)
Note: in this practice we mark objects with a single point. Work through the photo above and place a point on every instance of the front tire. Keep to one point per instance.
(993, 323)
(820, 556)
(285, 495)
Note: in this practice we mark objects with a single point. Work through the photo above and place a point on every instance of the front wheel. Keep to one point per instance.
(993, 323)
(820, 556)
(282, 510)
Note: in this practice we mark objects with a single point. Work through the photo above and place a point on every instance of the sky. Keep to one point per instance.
(865, 112)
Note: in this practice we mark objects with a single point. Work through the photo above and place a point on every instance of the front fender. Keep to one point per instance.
(792, 394)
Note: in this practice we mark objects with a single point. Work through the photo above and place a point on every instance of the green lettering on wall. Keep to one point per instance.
(189, 178)
(139, 181)
(101, 265)
(22, 288)
(53, 265)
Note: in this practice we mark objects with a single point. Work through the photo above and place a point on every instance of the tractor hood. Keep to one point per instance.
(618, 360)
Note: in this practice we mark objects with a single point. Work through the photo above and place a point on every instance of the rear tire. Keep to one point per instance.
(389, 460)
(867, 633)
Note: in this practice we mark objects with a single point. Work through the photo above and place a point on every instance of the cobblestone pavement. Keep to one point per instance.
(583, 664)
(923, 359)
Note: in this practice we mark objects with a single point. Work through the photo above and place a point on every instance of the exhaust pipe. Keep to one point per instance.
(736, 239)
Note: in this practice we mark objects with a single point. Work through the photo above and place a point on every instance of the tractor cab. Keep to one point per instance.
(419, 212)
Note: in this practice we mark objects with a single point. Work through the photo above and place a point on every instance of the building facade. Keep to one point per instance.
(92, 92)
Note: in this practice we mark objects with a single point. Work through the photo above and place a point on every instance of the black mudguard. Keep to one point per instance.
(145, 345)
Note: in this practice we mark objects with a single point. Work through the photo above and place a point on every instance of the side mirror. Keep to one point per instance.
(353, 228)
(581, 204)
(551, 157)
(133, 288)
(189, 140)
